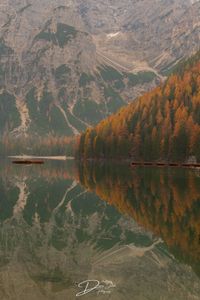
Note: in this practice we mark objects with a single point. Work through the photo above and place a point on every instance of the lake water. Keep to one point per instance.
(133, 232)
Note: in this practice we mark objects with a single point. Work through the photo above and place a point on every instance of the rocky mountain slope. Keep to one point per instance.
(144, 34)
(65, 65)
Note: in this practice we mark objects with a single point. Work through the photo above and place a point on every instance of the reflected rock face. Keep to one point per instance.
(55, 233)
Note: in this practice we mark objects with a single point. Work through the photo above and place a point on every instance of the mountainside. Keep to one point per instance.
(163, 124)
(62, 68)
(143, 33)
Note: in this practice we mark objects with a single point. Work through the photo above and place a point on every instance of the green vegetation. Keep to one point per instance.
(61, 72)
(114, 100)
(62, 36)
(110, 74)
(9, 115)
(45, 35)
(2, 75)
(140, 78)
(46, 118)
(8, 200)
(58, 124)
(62, 92)
(4, 50)
(80, 126)
(85, 79)
(88, 111)
(119, 85)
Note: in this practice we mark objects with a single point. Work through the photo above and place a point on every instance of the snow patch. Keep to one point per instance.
(194, 1)
(74, 130)
(24, 116)
(112, 35)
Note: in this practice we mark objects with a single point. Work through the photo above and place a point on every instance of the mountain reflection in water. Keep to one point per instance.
(55, 231)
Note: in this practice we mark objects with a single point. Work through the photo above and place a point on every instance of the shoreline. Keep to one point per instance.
(62, 158)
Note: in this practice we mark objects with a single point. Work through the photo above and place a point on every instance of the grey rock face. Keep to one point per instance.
(65, 65)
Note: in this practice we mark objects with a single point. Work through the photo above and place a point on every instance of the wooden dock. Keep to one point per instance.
(165, 164)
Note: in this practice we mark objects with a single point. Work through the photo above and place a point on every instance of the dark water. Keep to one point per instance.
(136, 232)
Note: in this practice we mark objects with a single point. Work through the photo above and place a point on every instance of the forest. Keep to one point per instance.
(161, 125)
(49, 145)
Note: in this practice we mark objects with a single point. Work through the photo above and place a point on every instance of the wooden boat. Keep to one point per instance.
(136, 163)
(28, 162)
(148, 163)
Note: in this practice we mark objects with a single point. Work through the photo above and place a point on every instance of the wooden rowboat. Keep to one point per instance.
(28, 162)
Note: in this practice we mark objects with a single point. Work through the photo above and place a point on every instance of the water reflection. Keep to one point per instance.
(162, 200)
(56, 232)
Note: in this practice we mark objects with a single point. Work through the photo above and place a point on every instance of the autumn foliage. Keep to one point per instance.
(163, 201)
(163, 124)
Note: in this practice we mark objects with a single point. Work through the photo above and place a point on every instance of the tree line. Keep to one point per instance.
(49, 145)
(163, 124)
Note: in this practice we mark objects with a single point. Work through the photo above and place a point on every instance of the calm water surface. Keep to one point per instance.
(135, 233)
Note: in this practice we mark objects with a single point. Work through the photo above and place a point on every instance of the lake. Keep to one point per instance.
(99, 231)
